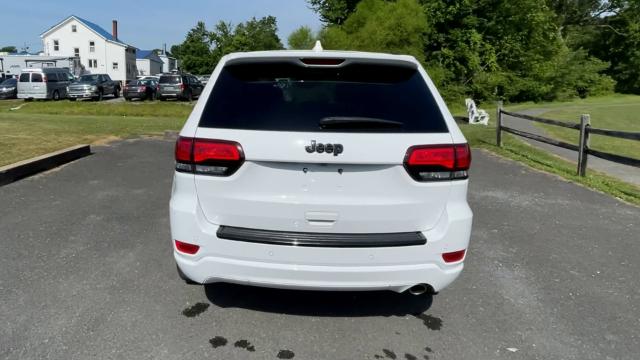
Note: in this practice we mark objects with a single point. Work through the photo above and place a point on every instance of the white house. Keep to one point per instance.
(100, 52)
(148, 62)
(169, 63)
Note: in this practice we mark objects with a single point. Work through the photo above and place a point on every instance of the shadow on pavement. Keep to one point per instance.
(317, 303)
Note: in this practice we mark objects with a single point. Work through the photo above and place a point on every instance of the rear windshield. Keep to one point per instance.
(170, 80)
(88, 78)
(289, 97)
(24, 77)
(36, 77)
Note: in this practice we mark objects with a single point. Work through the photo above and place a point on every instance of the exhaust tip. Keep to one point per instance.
(419, 289)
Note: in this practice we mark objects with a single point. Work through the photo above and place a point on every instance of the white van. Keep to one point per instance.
(46, 83)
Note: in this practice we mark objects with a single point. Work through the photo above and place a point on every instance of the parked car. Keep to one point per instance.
(9, 89)
(179, 86)
(94, 86)
(46, 83)
(204, 79)
(321, 170)
(141, 89)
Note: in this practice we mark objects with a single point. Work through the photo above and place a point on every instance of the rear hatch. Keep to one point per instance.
(170, 84)
(32, 84)
(135, 87)
(323, 148)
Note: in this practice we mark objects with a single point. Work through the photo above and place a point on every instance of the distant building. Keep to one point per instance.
(12, 64)
(99, 51)
(169, 63)
(148, 62)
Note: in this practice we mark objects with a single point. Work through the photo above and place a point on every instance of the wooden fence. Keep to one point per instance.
(583, 149)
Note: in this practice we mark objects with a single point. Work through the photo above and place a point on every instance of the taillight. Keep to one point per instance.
(44, 78)
(187, 248)
(183, 86)
(142, 89)
(208, 157)
(438, 162)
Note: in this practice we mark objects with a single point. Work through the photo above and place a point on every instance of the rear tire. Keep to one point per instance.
(55, 96)
(190, 96)
(184, 277)
(116, 93)
(100, 96)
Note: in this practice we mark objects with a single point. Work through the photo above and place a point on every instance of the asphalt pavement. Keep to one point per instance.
(86, 272)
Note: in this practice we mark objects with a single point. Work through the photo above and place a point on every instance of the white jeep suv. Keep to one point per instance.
(321, 170)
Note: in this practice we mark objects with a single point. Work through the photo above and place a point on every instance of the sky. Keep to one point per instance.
(146, 24)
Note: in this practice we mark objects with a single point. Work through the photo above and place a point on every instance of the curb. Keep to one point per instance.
(171, 135)
(22, 169)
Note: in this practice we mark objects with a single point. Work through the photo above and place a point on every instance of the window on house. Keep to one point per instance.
(92, 46)
(56, 45)
(93, 63)
(74, 28)
(76, 52)
(115, 66)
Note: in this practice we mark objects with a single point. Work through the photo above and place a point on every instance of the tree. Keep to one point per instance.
(302, 39)
(253, 35)
(618, 42)
(202, 49)
(9, 49)
(377, 25)
(195, 52)
(482, 48)
(334, 12)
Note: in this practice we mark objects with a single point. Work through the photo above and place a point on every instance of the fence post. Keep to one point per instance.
(583, 146)
(499, 124)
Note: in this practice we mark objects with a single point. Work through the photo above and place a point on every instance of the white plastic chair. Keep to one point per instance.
(476, 116)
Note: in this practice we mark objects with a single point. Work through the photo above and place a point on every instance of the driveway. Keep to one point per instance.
(86, 272)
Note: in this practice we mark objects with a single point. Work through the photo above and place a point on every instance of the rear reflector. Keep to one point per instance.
(186, 248)
(208, 157)
(183, 149)
(438, 162)
(322, 61)
(453, 256)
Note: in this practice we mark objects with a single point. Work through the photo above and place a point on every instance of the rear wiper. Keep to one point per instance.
(355, 122)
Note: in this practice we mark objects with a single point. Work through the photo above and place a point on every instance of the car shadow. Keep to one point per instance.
(317, 303)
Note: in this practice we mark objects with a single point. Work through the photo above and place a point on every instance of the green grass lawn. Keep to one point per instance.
(41, 127)
(613, 113)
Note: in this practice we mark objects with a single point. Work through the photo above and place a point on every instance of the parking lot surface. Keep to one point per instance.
(86, 271)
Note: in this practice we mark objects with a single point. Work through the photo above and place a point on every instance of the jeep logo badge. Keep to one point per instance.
(335, 149)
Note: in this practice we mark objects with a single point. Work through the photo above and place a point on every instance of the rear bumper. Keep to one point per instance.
(82, 95)
(316, 268)
(135, 95)
(174, 94)
(32, 96)
(396, 278)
